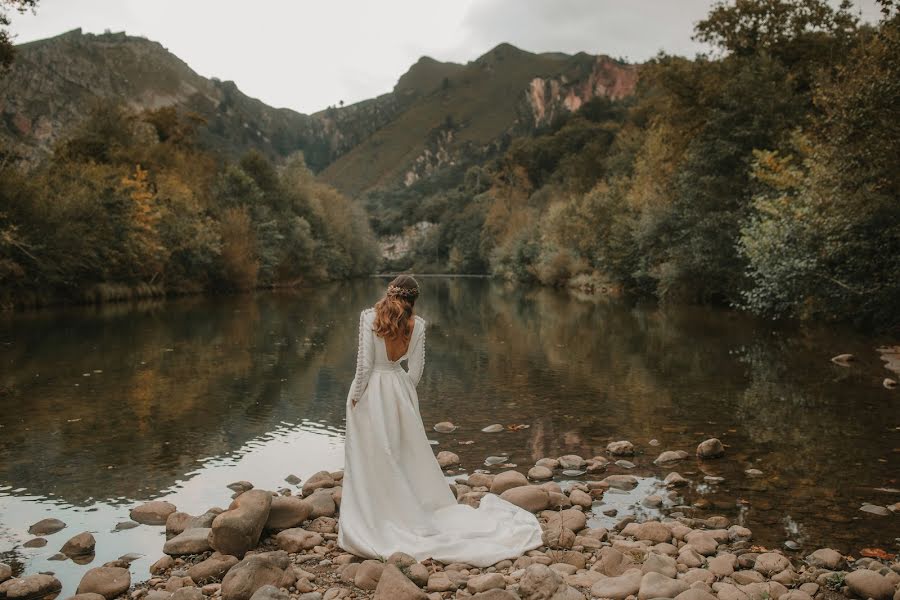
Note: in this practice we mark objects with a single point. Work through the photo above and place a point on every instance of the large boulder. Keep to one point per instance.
(287, 512)
(322, 479)
(213, 568)
(255, 571)
(530, 497)
(46, 527)
(618, 588)
(540, 582)
(657, 585)
(237, 530)
(30, 587)
(322, 503)
(152, 513)
(109, 582)
(189, 541)
(507, 480)
(394, 585)
(869, 584)
(79, 545)
(711, 448)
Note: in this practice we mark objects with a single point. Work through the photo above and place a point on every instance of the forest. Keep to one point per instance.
(764, 176)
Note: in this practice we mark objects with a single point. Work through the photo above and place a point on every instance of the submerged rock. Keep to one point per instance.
(80, 545)
(711, 448)
(46, 527)
(152, 513)
(620, 448)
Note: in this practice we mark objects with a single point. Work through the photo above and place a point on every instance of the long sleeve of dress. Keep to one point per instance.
(416, 363)
(365, 357)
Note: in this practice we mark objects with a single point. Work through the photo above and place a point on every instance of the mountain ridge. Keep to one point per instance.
(436, 114)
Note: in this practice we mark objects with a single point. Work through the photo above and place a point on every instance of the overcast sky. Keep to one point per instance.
(309, 54)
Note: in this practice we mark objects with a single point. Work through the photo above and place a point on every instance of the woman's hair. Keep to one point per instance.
(393, 313)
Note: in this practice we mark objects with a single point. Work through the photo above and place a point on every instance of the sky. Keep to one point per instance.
(310, 54)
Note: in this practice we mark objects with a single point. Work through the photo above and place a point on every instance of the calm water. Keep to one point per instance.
(102, 408)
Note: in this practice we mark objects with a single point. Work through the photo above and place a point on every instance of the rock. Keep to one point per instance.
(571, 461)
(368, 574)
(485, 582)
(507, 480)
(658, 563)
(653, 531)
(287, 511)
(37, 542)
(298, 540)
(702, 542)
(843, 360)
(30, 587)
(540, 582)
(240, 486)
(670, 456)
(570, 518)
(656, 585)
(445, 427)
(618, 588)
(79, 545)
(826, 558)
(255, 571)
(109, 582)
(711, 448)
(5, 572)
(439, 582)
(736, 533)
(162, 565)
(675, 479)
(323, 525)
(322, 503)
(213, 568)
(187, 592)
(269, 592)
(322, 479)
(652, 501)
(580, 498)
(747, 576)
(722, 565)
(496, 595)
(550, 463)
(620, 448)
(154, 512)
(869, 584)
(875, 509)
(621, 482)
(796, 595)
(702, 576)
(753, 473)
(178, 522)
(531, 498)
(764, 591)
(447, 459)
(612, 562)
(86, 596)
(237, 530)
(46, 527)
(189, 541)
(695, 594)
(770, 563)
(889, 383)
(417, 573)
(540, 473)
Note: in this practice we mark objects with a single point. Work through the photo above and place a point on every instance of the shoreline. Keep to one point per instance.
(287, 539)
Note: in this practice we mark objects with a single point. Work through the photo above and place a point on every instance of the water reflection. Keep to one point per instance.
(100, 408)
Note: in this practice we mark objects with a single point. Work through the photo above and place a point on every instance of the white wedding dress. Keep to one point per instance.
(395, 497)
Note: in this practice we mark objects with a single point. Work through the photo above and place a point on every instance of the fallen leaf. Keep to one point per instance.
(876, 553)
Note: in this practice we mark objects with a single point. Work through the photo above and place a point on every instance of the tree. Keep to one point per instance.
(7, 50)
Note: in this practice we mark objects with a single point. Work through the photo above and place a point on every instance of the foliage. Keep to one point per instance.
(129, 201)
(7, 51)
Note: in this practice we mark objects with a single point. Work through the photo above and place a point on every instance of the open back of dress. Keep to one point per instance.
(395, 497)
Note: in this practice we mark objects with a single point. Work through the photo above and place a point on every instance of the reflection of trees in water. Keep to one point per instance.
(200, 379)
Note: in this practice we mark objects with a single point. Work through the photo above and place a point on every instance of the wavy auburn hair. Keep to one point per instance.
(394, 312)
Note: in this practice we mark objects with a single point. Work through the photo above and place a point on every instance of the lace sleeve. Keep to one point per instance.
(365, 355)
(416, 362)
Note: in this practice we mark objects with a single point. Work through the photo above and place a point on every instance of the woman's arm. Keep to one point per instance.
(365, 356)
(416, 363)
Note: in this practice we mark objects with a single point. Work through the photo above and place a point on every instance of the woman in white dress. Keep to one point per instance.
(395, 497)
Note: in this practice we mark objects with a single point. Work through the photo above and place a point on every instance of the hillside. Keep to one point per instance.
(437, 114)
(462, 111)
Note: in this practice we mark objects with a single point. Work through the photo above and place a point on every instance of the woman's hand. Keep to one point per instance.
(354, 402)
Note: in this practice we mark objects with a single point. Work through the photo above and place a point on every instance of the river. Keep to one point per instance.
(104, 407)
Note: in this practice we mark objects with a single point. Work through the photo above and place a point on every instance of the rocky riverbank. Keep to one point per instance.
(281, 545)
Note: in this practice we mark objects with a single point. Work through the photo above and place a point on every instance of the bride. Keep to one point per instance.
(395, 497)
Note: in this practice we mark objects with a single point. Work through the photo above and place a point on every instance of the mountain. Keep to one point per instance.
(437, 115)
